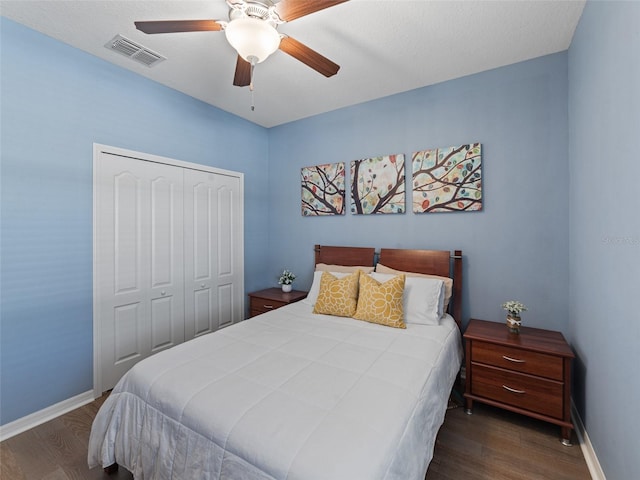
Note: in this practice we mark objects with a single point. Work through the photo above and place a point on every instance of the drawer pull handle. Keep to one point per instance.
(515, 360)
(270, 307)
(513, 390)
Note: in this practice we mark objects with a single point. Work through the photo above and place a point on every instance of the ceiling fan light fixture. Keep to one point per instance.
(252, 38)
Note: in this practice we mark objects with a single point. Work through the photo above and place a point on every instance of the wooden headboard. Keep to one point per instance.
(349, 256)
(432, 262)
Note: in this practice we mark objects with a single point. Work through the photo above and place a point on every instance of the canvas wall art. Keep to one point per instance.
(447, 179)
(323, 189)
(377, 185)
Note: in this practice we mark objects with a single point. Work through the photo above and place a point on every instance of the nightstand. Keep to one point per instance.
(271, 298)
(527, 373)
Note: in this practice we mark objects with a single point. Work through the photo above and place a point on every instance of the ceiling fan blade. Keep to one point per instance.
(308, 56)
(173, 26)
(289, 10)
(242, 77)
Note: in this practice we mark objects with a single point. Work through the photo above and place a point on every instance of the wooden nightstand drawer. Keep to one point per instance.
(269, 299)
(263, 305)
(524, 391)
(517, 359)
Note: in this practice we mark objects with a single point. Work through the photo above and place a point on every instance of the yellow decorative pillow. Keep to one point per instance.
(381, 302)
(337, 296)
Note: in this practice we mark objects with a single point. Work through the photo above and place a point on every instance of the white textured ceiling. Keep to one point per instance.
(383, 47)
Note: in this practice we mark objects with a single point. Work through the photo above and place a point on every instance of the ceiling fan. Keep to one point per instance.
(252, 32)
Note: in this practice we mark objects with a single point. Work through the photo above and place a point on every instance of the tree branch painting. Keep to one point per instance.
(377, 185)
(448, 179)
(323, 190)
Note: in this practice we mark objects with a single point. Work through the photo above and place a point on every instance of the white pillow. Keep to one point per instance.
(312, 296)
(448, 282)
(423, 300)
(342, 268)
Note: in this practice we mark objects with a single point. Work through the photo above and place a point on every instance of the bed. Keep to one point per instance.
(293, 394)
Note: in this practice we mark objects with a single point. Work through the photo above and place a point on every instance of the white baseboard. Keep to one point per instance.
(585, 445)
(37, 418)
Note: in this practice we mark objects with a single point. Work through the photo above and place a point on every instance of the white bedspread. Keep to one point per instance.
(286, 395)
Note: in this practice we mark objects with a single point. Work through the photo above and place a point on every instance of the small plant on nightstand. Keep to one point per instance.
(286, 280)
(514, 309)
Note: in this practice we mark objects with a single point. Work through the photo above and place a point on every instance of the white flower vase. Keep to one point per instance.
(287, 288)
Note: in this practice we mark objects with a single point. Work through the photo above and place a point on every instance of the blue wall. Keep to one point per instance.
(57, 101)
(604, 120)
(516, 248)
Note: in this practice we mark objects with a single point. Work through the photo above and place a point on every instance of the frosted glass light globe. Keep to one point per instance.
(252, 37)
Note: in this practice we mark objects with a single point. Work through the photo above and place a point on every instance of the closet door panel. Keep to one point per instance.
(226, 307)
(127, 323)
(202, 312)
(199, 249)
(163, 326)
(202, 227)
(166, 257)
(163, 241)
(122, 228)
(139, 261)
(229, 248)
(126, 198)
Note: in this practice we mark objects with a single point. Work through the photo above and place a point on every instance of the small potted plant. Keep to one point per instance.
(286, 280)
(514, 308)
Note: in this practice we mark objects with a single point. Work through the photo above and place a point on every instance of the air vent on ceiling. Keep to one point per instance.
(134, 51)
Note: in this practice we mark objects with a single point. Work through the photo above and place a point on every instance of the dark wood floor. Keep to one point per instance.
(56, 450)
(490, 444)
(499, 445)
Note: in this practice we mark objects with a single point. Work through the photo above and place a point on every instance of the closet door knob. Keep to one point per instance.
(163, 293)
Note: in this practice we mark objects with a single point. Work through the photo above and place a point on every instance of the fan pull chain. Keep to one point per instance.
(253, 64)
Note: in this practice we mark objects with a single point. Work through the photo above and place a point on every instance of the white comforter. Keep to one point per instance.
(286, 395)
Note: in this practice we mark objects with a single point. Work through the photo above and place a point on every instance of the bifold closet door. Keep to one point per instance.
(139, 247)
(212, 252)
